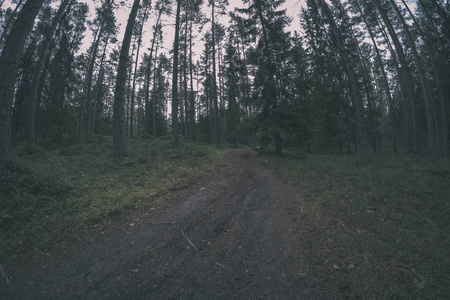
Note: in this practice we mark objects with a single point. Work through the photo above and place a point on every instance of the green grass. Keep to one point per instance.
(53, 196)
(380, 230)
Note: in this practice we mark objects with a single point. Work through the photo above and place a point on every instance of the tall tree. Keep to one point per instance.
(142, 18)
(119, 93)
(382, 68)
(267, 24)
(160, 9)
(9, 62)
(106, 25)
(405, 75)
(356, 97)
(39, 70)
(221, 6)
(426, 93)
(176, 46)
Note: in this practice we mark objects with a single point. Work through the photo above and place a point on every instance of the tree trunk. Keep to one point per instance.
(216, 106)
(175, 76)
(88, 83)
(31, 102)
(353, 81)
(9, 63)
(148, 71)
(192, 100)
(133, 89)
(383, 71)
(423, 82)
(119, 93)
(155, 88)
(185, 82)
(405, 75)
(437, 76)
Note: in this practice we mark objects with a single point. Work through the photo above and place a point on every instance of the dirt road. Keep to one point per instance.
(236, 236)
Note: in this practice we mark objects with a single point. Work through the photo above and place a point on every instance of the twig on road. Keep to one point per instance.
(219, 264)
(166, 223)
(189, 241)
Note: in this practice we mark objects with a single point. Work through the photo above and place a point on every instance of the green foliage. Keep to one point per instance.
(387, 220)
(52, 195)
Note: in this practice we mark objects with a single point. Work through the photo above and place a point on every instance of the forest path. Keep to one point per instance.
(238, 235)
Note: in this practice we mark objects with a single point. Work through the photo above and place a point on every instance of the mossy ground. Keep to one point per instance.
(379, 230)
(370, 231)
(52, 196)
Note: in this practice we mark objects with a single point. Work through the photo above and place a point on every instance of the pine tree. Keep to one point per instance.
(119, 93)
(9, 62)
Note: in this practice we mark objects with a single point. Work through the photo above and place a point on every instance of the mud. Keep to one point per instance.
(235, 235)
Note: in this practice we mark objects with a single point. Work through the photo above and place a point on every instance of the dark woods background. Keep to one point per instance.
(356, 77)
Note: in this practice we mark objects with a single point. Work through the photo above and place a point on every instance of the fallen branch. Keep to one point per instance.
(219, 264)
(165, 223)
(189, 241)
(4, 276)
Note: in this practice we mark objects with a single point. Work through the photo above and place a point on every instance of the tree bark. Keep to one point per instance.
(423, 82)
(214, 82)
(9, 63)
(148, 71)
(133, 89)
(31, 102)
(175, 76)
(119, 93)
(192, 100)
(405, 76)
(383, 71)
(353, 81)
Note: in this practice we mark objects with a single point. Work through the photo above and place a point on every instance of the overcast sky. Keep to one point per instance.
(293, 8)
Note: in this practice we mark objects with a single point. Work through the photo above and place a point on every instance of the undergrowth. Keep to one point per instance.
(379, 230)
(51, 196)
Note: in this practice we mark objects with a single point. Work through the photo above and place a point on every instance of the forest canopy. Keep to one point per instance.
(355, 77)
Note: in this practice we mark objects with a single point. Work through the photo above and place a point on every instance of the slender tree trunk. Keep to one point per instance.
(383, 71)
(133, 90)
(187, 125)
(119, 93)
(181, 102)
(148, 71)
(128, 92)
(271, 99)
(31, 102)
(101, 75)
(423, 82)
(353, 81)
(175, 76)
(154, 97)
(9, 63)
(406, 77)
(216, 106)
(437, 76)
(88, 84)
(192, 100)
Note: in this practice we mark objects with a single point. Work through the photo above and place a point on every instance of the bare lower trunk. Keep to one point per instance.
(175, 77)
(119, 94)
(9, 63)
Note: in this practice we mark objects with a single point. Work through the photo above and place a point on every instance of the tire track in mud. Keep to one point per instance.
(241, 227)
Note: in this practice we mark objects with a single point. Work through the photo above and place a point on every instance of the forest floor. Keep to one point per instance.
(257, 227)
(236, 234)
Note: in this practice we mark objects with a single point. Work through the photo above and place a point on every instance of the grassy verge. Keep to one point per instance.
(376, 231)
(52, 196)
